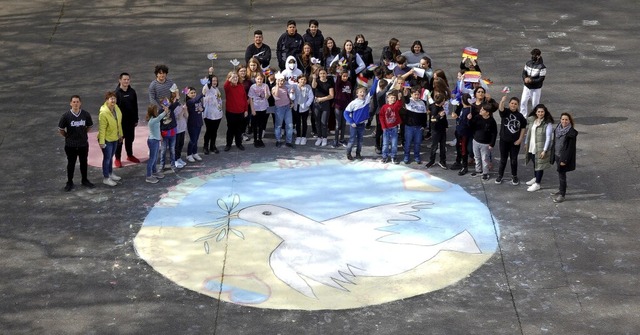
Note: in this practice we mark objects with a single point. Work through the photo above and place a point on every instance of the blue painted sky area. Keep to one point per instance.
(332, 189)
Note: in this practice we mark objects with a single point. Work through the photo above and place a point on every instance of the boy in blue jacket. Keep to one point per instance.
(356, 114)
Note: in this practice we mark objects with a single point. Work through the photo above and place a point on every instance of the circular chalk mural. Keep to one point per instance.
(312, 234)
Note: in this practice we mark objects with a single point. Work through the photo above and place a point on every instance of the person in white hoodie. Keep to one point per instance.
(291, 71)
(302, 104)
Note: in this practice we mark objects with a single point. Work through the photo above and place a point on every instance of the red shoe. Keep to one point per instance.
(133, 159)
(117, 163)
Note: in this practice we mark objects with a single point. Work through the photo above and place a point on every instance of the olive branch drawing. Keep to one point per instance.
(221, 227)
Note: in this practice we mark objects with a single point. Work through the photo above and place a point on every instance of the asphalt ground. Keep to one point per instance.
(68, 265)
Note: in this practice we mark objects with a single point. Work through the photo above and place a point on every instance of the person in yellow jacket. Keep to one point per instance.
(109, 134)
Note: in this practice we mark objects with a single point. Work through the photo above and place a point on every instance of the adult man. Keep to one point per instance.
(159, 88)
(315, 38)
(289, 44)
(127, 100)
(533, 76)
(74, 126)
(258, 50)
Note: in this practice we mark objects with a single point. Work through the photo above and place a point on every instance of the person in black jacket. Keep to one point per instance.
(565, 152)
(127, 100)
(289, 44)
(513, 127)
(533, 76)
(314, 36)
(485, 132)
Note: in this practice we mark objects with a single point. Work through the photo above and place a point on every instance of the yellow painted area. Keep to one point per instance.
(173, 252)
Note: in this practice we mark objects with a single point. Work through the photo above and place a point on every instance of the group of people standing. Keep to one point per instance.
(409, 100)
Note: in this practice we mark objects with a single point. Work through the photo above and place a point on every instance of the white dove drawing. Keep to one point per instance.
(336, 251)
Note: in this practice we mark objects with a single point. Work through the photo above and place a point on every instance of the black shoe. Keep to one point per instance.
(88, 184)
(430, 164)
(485, 177)
(68, 187)
(206, 150)
(559, 198)
(240, 146)
(349, 157)
(256, 144)
(261, 143)
(473, 174)
(290, 145)
(214, 150)
(278, 144)
(463, 171)
(378, 151)
(443, 165)
(386, 160)
(515, 181)
(499, 180)
(358, 157)
(456, 166)
(227, 148)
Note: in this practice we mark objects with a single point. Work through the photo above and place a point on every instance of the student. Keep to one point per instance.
(182, 114)
(259, 94)
(329, 52)
(237, 110)
(127, 100)
(283, 96)
(389, 121)
(513, 126)
(289, 44)
(153, 142)
(323, 91)
(439, 127)
(462, 134)
(415, 54)
(485, 132)
(109, 133)
(415, 118)
(168, 128)
(212, 112)
(356, 115)
(343, 96)
(302, 104)
(314, 37)
(194, 122)
(258, 50)
(74, 126)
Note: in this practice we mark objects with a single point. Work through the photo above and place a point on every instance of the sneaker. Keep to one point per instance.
(190, 159)
(158, 175)
(151, 180)
(303, 141)
(429, 164)
(114, 177)
(556, 193)
(197, 157)
(349, 157)
(298, 140)
(419, 162)
(177, 165)
(245, 138)
(278, 144)
(108, 181)
(485, 177)
(205, 150)
(406, 161)
(499, 180)
(117, 163)
(318, 141)
(559, 198)
(133, 159)
(215, 150)
(534, 187)
(227, 147)
(456, 166)
(443, 165)
(324, 142)
(240, 146)
(463, 171)
(394, 161)
(358, 157)
(531, 182)
(515, 181)
(378, 151)
(385, 160)
(182, 163)
(452, 143)
(88, 184)
(290, 145)
(474, 174)
(68, 187)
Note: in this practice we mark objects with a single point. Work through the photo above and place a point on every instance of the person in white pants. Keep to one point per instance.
(533, 76)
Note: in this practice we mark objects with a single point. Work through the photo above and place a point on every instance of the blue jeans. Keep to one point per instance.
(168, 142)
(154, 147)
(412, 138)
(194, 134)
(355, 136)
(107, 158)
(390, 138)
(284, 113)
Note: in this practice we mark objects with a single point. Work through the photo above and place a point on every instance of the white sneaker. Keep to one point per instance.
(181, 162)
(452, 143)
(178, 165)
(190, 159)
(298, 140)
(324, 142)
(319, 141)
(534, 187)
(113, 177)
(303, 141)
(531, 182)
(108, 181)
(197, 157)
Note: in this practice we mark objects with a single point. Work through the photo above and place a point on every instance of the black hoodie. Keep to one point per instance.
(316, 42)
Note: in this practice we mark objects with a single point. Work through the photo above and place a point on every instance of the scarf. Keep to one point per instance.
(560, 136)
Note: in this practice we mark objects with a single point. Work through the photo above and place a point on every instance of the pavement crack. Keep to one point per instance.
(55, 27)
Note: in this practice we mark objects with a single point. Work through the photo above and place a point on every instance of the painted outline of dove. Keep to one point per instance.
(336, 251)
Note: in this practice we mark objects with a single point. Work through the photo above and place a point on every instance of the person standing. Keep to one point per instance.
(160, 88)
(237, 110)
(538, 142)
(512, 130)
(314, 37)
(259, 50)
(127, 100)
(533, 76)
(289, 44)
(109, 134)
(565, 153)
(74, 126)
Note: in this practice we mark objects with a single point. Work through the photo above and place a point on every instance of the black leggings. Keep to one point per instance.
(211, 133)
(508, 150)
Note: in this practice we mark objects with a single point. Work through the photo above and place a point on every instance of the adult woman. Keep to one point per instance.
(565, 152)
(538, 143)
(237, 110)
(415, 54)
(323, 90)
(329, 52)
(109, 133)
